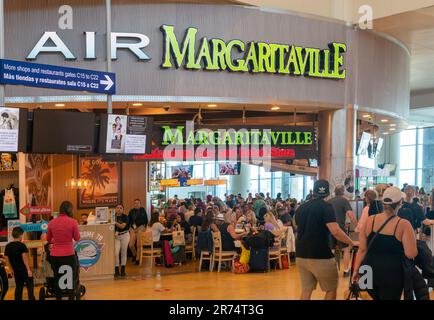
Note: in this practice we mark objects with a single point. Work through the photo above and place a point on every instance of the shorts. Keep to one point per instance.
(335, 243)
(312, 271)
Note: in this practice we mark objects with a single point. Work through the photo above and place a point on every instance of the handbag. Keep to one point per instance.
(245, 255)
(238, 267)
(178, 237)
(285, 263)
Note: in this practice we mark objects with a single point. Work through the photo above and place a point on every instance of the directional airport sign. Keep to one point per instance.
(55, 77)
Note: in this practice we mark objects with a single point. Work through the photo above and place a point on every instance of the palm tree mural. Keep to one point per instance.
(100, 175)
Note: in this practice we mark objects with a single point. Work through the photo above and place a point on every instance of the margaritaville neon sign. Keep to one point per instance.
(255, 57)
(243, 137)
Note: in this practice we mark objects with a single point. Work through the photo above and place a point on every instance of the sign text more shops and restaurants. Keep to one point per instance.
(194, 53)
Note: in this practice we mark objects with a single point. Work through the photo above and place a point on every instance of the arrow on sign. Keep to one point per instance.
(108, 82)
(37, 210)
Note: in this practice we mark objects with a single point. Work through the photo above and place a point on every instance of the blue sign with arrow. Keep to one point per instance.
(32, 227)
(55, 77)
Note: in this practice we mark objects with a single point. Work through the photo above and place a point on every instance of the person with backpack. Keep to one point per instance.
(315, 221)
(384, 242)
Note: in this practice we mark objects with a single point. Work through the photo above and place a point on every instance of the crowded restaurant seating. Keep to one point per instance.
(219, 232)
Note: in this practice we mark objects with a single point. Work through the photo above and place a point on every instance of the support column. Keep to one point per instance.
(240, 183)
(337, 138)
(108, 11)
(285, 185)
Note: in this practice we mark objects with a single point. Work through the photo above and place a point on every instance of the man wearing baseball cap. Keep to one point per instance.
(315, 221)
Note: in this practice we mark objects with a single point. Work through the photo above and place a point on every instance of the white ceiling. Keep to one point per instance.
(415, 30)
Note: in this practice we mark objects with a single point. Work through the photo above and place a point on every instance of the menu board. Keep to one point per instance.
(9, 129)
(127, 134)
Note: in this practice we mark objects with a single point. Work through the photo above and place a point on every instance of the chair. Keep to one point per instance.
(205, 247)
(190, 248)
(275, 252)
(284, 250)
(146, 247)
(220, 255)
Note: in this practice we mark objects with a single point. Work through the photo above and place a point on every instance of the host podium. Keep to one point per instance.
(95, 251)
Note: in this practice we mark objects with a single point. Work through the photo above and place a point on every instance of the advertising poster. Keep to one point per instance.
(126, 134)
(38, 179)
(9, 127)
(105, 183)
(116, 133)
(229, 169)
(183, 174)
(135, 142)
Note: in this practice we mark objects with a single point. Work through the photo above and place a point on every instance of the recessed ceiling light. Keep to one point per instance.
(384, 120)
(393, 125)
(385, 133)
(212, 105)
(59, 105)
(366, 116)
(138, 104)
(392, 129)
(275, 108)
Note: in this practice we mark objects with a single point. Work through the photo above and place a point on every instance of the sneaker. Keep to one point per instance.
(137, 263)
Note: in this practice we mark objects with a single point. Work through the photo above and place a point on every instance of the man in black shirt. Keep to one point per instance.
(138, 219)
(196, 219)
(315, 220)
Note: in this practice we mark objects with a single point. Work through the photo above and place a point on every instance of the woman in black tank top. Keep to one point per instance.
(383, 244)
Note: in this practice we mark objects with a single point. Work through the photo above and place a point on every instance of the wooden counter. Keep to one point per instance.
(96, 252)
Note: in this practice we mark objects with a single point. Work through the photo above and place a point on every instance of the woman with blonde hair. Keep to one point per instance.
(251, 218)
(271, 224)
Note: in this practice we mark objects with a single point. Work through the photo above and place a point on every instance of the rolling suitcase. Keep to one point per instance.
(167, 254)
(259, 260)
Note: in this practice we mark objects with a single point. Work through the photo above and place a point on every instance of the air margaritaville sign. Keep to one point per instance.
(212, 54)
(255, 57)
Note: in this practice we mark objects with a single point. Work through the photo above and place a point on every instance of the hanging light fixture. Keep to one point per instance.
(76, 183)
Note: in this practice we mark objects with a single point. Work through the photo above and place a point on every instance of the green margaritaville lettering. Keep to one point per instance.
(176, 136)
(256, 57)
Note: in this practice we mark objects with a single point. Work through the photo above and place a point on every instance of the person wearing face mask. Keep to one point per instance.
(122, 239)
(384, 240)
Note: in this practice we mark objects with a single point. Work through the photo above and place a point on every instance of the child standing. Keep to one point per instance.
(17, 257)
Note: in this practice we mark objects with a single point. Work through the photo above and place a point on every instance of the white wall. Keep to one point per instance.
(342, 9)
